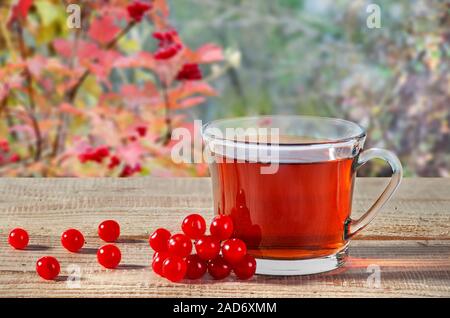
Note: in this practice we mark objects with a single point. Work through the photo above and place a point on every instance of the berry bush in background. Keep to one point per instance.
(99, 100)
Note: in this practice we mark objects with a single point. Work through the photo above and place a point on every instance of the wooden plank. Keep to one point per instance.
(409, 241)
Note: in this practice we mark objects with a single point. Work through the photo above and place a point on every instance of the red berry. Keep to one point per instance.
(234, 250)
(174, 268)
(72, 240)
(158, 260)
(194, 226)
(179, 245)
(207, 247)
(18, 238)
(114, 162)
(246, 267)
(196, 267)
(47, 267)
(109, 230)
(222, 227)
(109, 256)
(189, 72)
(137, 9)
(218, 268)
(141, 130)
(159, 239)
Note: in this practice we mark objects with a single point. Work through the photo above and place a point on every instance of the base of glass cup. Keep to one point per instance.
(301, 267)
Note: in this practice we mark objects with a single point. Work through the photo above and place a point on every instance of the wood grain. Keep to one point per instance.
(409, 241)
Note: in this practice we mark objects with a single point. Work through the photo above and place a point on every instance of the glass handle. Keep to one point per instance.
(354, 226)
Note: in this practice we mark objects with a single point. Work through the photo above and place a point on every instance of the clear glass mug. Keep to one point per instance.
(287, 182)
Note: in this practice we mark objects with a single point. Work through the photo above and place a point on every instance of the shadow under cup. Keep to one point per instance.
(287, 182)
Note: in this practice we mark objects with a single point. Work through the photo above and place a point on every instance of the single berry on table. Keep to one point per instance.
(72, 240)
(246, 267)
(174, 268)
(233, 250)
(179, 245)
(109, 256)
(109, 230)
(47, 267)
(18, 238)
(218, 268)
(207, 247)
(222, 227)
(159, 239)
(194, 226)
(158, 260)
(196, 267)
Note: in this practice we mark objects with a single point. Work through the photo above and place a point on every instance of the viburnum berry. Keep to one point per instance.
(179, 245)
(196, 267)
(94, 154)
(194, 226)
(207, 247)
(159, 240)
(18, 238)
(109, 256)
(141, 130)
(47, 267)
(218, 268)
(4, 145)
(245, 268)
(174, 268)
(168, 45)
(234, 250)
(114, 161)
(137, 9)
(189, 72)
(158, 260)
(109, 230)
(222, 227)
(14, 158)
(129, 170)
(72, 240)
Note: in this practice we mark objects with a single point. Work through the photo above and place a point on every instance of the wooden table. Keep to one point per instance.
(408, 244)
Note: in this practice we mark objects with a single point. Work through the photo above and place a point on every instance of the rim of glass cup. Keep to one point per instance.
(357, 136)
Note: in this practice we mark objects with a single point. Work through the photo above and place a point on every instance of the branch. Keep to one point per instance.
(9, 120)
(71, 95)
(30, 91)
(168, 119)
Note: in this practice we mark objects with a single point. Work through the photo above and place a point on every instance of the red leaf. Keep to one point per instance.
(189, 102)
(87, 50)
(36, 64)
(69, 109)
(208, 53)
(142, 59)
(189, 88)
(103, 29)
(131, 153)
(19, 10)
(63, 47)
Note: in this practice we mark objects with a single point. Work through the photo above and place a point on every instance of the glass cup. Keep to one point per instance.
(287, 182)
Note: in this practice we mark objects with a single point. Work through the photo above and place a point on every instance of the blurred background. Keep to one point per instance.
(105, 96)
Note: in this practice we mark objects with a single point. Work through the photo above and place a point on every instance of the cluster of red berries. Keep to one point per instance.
(94, 154)
(217, 253)
(48, 267)
(5, 153)
(189, 72)
(101, 153)
(168, 45)
(137, 9)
